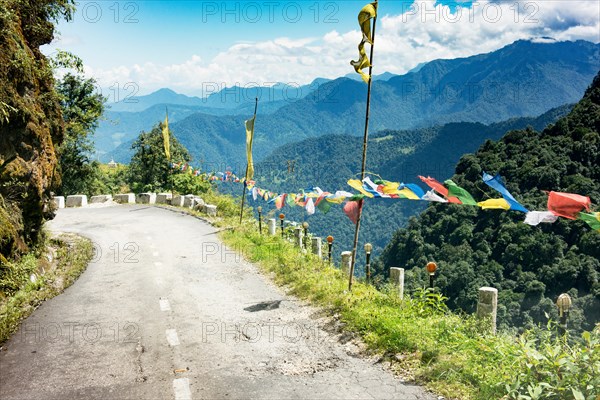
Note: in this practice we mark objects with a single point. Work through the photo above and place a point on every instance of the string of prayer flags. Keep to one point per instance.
(365, 16)
(568, 205)
(394, 190)
(496, 183)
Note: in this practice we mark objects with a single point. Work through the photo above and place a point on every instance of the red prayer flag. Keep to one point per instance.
(441, 189)
(280, 202)
(352, 209)
(567, 205)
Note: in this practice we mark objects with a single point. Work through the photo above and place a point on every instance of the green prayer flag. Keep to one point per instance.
(592, 220)
(324, 206)
(460, 193)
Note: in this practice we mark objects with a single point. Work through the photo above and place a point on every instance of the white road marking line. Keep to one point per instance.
(172, 337)
(164, 305)
(181, 387)
(158, 264)
(156, 254)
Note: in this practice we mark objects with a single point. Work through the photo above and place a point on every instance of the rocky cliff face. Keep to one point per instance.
(30, 121)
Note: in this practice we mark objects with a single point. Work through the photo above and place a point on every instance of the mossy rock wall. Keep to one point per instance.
(30, 123)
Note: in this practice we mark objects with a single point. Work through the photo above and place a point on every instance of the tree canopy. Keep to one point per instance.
(149, 169)
(530, 266)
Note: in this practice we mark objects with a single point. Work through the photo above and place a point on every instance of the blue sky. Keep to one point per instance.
(184, 44)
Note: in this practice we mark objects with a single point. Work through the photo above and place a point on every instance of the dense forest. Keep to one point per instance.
(530, 266)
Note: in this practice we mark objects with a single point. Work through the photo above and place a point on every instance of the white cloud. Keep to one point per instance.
(423, 33)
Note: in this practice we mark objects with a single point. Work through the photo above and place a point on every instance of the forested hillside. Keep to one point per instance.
(530, 266)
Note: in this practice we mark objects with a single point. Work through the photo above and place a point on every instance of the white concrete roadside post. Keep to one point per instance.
(397, 279)
(298, 234)
(346, 261)
(272, 225)
(316, 245)
(487, 306)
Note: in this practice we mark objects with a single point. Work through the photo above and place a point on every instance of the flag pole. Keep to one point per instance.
(246, 176)
(364, 154)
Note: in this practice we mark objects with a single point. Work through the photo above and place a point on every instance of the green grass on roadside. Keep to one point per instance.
(451, 354)
(20, 296)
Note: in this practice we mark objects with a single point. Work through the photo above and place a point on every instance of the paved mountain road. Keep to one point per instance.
(166, 311)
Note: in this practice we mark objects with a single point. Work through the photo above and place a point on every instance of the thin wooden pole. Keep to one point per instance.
(364, 154)
(247, 167)
(170, 179)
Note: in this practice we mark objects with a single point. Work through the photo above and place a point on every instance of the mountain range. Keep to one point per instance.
(523, 79)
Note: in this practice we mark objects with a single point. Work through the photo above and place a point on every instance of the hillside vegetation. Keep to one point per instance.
(30, 121)
(530, 266)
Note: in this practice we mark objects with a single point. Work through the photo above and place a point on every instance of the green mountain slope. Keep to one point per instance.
(530, 266)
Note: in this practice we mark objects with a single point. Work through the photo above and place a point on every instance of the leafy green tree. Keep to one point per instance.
(189, 184)
(149, 170)
(82, 109)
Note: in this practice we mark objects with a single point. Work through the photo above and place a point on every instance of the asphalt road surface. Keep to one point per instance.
(166, 311)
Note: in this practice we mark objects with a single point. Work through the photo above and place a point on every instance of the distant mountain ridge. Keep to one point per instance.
(219, 97)
(521, 79)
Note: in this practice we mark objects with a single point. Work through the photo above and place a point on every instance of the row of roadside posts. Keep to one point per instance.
(487, 304)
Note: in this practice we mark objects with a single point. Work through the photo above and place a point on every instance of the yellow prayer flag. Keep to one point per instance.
(249, 139)
(356, 184)
(362, 63)
(494, 204)
(166, 138)
(364, 19)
